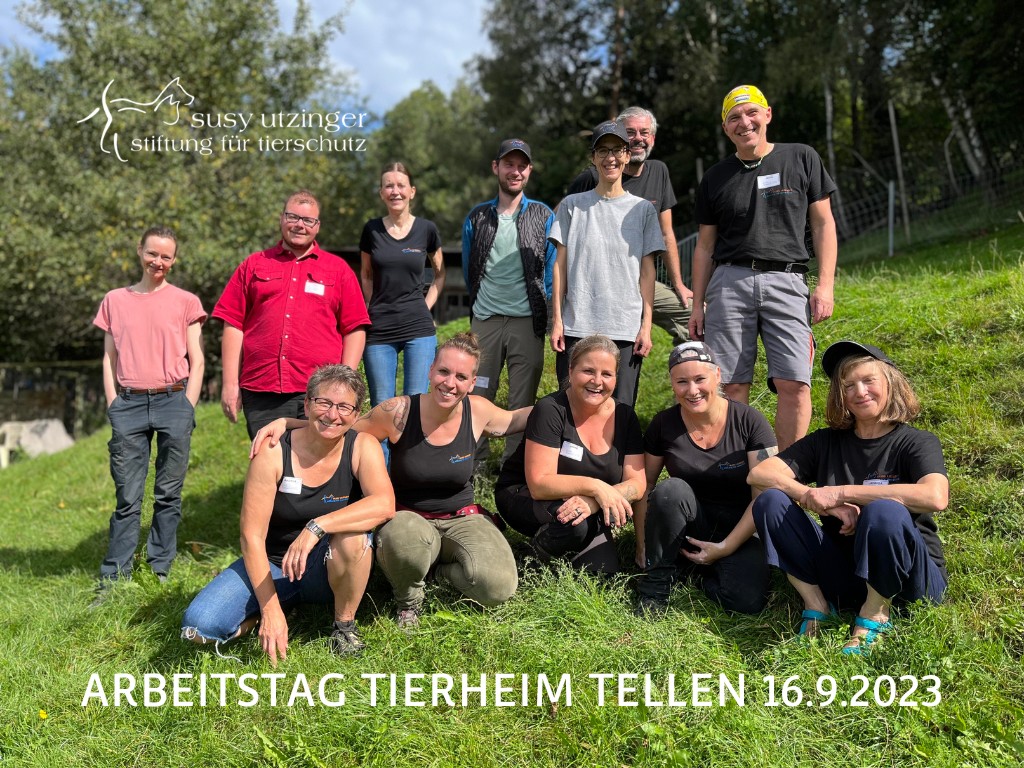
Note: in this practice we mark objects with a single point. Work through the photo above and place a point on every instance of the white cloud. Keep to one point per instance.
(390, 46)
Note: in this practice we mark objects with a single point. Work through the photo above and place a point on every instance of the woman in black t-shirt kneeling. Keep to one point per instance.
(698, 521)
(580, 469)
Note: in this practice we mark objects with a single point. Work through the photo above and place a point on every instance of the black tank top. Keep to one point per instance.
(433, 478)
(293, 510)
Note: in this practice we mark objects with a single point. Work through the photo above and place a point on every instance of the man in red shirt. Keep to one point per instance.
(286, 311)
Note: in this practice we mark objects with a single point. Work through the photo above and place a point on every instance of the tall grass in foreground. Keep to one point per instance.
(952, 316)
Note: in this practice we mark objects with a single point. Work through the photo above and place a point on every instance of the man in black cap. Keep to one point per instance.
(507, 263)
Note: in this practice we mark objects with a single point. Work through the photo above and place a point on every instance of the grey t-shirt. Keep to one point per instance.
(605, 240)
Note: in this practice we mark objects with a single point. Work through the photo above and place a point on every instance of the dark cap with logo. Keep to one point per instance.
(514, 145)
(689, 351)
(608, 128)
(841, 350)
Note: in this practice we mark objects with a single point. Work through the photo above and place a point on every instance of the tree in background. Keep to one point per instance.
(72, 213)
(446, 146)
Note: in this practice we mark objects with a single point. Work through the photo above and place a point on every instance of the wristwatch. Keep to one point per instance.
(315, 529)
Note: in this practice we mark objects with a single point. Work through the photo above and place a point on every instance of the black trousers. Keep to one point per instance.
(261, 408)
(738, 582)
(588, 546)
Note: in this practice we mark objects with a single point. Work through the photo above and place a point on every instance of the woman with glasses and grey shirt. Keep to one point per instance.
(603, 283)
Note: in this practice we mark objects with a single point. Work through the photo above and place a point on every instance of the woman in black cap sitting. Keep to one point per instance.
(698, 521)
(878, 483)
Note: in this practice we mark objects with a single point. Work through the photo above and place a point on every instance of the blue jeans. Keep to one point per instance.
(381, 363)
(135, 419)
(219, 609)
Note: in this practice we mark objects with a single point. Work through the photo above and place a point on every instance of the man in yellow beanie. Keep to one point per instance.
(751, 260)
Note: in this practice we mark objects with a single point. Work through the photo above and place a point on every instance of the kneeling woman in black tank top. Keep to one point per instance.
(310, 504)
(433, 440)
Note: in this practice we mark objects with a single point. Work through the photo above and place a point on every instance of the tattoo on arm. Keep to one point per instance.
(401, 413)
(629, 493)
(765, 453)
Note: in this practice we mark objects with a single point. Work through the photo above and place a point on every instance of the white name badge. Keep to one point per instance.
(571, 451)
(483, 382)
(876, 481)
(290, 485)
(318, 288)
(771, 180)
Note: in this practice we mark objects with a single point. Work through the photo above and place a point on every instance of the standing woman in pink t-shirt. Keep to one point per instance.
(152, 374)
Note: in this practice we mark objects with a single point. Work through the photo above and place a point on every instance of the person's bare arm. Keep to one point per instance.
(231, 365)
(196, 362)
(366, 276)
(437, 284)
(557, 294)
(673, 267)
(701, 269)
(826, 249)
(352, 345)
(257, 504)
(109, 368)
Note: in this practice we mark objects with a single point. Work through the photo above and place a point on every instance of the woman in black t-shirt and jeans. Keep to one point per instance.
(394, 250)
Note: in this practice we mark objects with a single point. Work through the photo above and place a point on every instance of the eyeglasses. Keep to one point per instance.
(643, 133)
(603, 152)
(293, 218)
(324, 405)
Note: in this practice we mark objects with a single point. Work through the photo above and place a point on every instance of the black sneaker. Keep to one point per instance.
(104, 590)
(345, 639)
(408, 618)
(648, 607)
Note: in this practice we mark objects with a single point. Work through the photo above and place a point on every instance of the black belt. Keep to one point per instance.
(154, 390)
(763, 265)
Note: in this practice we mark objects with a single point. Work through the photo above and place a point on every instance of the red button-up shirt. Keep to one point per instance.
(292, 313)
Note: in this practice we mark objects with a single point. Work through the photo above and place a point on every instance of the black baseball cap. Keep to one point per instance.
(608, 128)
(514, 145)
(839, 351)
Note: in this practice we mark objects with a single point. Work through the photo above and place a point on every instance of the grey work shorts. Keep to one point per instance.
(743, 303)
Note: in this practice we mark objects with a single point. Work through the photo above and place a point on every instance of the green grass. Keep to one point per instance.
(952, 315)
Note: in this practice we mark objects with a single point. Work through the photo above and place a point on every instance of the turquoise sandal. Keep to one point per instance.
(811, 630)
(864, 642)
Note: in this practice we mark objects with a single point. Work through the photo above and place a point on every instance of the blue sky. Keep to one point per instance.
(390, 46)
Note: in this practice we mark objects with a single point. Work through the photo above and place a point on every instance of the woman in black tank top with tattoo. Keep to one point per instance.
(437, 525)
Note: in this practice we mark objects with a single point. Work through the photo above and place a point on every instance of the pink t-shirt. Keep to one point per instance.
(150, 334)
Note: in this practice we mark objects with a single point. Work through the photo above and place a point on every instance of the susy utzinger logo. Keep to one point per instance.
(166, 101)
(127, 124)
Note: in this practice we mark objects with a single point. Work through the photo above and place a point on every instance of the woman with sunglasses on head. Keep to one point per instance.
(603, 283)
(575, 477)
(310, 504)
(393, 251)
(877, 484)
(698, 522)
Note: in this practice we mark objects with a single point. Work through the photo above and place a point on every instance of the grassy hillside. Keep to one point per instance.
(951, 315)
